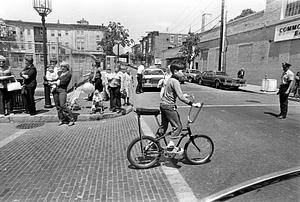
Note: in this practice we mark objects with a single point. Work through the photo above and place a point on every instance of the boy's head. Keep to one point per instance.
(96, 92)
(174, 68)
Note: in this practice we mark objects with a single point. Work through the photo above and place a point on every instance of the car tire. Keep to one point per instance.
(181, 82)
(190, 80)
(217, 84)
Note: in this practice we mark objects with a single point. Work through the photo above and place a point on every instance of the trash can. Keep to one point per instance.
(272, 85)
(269, 85)
(18, 100)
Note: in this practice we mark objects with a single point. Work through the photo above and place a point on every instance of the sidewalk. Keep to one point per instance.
(257, 89)
(50, 114)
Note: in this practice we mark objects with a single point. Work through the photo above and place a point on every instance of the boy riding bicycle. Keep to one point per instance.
(168, 108)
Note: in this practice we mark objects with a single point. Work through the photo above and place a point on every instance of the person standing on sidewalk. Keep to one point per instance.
(241, 73)
(114, 87)
(139, 76)
(286, 85)
(5, 70)
(65, 115)
(29, 76)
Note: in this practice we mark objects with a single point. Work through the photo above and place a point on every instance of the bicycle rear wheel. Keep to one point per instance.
(143, 152)
(198, 149)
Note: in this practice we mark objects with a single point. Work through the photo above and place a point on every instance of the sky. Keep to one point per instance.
(138, 16)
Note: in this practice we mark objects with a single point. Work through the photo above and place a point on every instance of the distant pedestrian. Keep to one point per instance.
(287, 82)
(129, 87)
(29, 74)
(296, 89)
(241, 73)
(139, 75)
(114, 86)
(5, 70)
(65, 115)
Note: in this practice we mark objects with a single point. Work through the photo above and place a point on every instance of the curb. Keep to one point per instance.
(22, 118)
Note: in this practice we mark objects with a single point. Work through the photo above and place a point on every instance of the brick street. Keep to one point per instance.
(86, 162)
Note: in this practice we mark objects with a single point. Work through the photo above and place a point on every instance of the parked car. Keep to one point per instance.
(151, 77)
(220, 79)
(191, 74)
(182, 77)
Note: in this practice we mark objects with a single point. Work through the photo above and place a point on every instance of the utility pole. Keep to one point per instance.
(222, 39)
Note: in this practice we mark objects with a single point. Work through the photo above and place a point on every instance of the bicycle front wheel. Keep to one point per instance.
(198, 149)
(143, 152)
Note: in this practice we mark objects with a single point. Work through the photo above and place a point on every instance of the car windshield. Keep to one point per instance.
(153, 72)
(221, 73)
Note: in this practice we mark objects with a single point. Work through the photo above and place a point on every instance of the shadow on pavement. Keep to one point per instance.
(271, 113)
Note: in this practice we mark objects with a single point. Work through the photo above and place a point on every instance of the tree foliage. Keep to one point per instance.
(244, 13)
(114, 33)
(190, 48)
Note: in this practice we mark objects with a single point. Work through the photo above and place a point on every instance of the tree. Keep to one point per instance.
(114, 33)
(244, 13)
(190, 48)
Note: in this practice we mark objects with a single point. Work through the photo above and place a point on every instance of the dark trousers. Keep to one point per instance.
(170, 115)
(29, 99)
(139, 83)
(115, 98)
(63, 112)
(283, 99)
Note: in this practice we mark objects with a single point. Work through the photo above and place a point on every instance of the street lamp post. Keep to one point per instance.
(44, 7)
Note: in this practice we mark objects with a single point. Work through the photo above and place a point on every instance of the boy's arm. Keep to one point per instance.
(180, 95)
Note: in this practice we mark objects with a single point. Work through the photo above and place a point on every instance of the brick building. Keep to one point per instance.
(154, 44)
(74, 43)
(259, 43)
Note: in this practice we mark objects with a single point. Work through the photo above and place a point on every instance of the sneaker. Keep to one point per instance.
(71, 123)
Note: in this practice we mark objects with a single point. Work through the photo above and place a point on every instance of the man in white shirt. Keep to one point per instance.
(287, 82)
(139, 76)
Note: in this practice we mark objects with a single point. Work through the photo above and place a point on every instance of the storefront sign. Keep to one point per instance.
(287, 31)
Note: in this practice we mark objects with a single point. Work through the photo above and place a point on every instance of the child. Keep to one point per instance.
(51, 76)
(97, 102)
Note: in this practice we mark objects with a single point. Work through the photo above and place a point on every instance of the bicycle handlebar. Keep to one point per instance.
(197, 113)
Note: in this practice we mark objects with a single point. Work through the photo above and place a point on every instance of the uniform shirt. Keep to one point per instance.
(287, 76)
(140, 69)
(172, 91)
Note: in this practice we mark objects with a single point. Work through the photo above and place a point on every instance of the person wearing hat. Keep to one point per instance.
(286, 85)
(29, 74)
(6, 73)
(65, 115)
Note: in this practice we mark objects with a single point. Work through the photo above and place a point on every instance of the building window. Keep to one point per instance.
(67, 44)
(172, 38)
(59, 33)
(28, 31)
(245, 53)
(52, 33)
(179, 39)
(29, 45)
(53, 47)
(292, 8)
(67, 33)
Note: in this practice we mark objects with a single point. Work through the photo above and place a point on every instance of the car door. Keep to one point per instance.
(210, 78)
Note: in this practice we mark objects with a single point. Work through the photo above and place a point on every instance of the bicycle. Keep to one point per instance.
(145, 151)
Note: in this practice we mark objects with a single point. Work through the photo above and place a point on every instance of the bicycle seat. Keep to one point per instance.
(144, 111)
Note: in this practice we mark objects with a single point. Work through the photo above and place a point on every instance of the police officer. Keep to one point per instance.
(286, 85)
